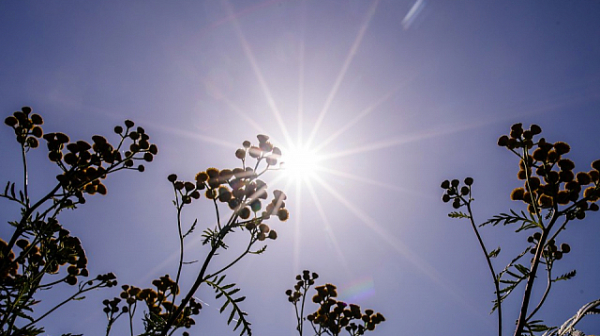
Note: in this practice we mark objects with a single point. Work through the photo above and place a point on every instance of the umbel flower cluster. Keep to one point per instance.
(49, 255)
(554, 183)
(240, 188)
(158, 302)
(332, 316)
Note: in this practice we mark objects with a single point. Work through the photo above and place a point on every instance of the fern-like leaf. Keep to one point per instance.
(458, 214)
(566, 276)
(227, 292)
(528, 222)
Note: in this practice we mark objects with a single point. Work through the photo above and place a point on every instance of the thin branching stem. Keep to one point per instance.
(546, 292)
(531, 276)
(490, 266)
(181, 250)
(25, 176)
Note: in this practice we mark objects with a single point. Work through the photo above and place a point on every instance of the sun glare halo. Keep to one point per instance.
(300, 163)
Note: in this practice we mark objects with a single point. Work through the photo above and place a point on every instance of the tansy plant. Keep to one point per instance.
(41, 254)
(554, 196)
(332, 317)
(240, 193)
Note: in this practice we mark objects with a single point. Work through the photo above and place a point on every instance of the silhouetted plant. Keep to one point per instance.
(552, 193)
(332, 316)
(47, 255)
(241, 193)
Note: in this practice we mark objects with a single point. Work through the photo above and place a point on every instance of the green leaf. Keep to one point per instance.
(191, 228)
(566, 276)
(494, 253)
(524, 270)
(458, 214)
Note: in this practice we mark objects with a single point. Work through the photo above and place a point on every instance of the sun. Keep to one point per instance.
(300, 163)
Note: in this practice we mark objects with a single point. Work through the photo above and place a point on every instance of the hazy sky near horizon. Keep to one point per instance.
(397, 95)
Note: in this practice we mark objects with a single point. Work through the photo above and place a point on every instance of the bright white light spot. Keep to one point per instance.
(300, 163)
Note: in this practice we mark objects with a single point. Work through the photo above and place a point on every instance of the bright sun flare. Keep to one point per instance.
(300, 163)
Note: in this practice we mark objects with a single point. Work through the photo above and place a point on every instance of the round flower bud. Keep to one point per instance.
(244, 213)
(255, 152)
(456, 204)
(535, 129)
(455, 183)
(583, 178)
(37, 132)
(172, 178)
(445, 184)
(565, 248)
(464, 190)
(503, 141)
(469, 181)
(11, 121)
(272, 235)
(446, 198)
(283, 214)
(129, 123)
(561, 147)
(240, 154)
(539, 155)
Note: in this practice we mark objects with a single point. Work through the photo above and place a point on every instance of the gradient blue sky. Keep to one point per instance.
(398, 94)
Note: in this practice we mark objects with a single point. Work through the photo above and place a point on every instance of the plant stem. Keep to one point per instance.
(531, 277)
(490, 266)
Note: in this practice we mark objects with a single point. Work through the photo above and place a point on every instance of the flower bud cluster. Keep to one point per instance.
(26, 126)
(9, 272)
(305, 280)
(554, 182)
(551, 251)
(46, 255)
(265, 150)
(240, 188)
(84, 164)
(157, 301)
(334, 315)
(459, 196)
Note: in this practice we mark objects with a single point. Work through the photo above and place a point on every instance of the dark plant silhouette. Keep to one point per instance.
(41, 254)
(554, 196)
(332, 316)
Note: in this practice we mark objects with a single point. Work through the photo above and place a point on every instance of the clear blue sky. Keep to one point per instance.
(398, 94)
